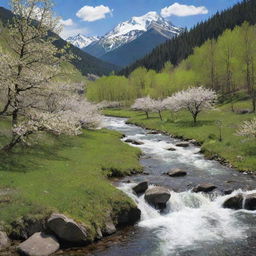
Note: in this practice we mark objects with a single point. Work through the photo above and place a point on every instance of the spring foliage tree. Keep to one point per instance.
(144, 104)
(195, 100)
(31, 100)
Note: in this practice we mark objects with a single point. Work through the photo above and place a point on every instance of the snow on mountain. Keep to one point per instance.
(126, 32)
(82, 41)
(130, 30)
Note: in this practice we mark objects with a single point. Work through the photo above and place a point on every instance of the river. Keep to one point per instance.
(193, 224)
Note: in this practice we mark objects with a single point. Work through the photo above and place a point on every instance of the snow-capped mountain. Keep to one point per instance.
(130, 30)
(129, 40)
(82, 41)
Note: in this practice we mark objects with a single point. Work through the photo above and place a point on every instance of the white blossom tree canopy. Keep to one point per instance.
(144, 104)
(248, 129)
(194, 100)
(158, 106)
(32, 98)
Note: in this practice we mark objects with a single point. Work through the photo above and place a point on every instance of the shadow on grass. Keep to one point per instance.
(26, 159)
(250, 150)
(191, 124)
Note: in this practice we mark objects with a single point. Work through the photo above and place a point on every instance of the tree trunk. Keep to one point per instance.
(147, 114)
(160, 115)
(195, 117)
(15, 140)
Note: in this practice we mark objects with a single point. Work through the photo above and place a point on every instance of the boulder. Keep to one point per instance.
(109, 228)
(39, 244)
(182, 144)
(171, 149)
(67, 229)
(176, 173)
(134, 142)
(250, 202)
(128, 216)
(205, 187)
(141, 187)
(4, 240)
(153, 132)
(235, 202)
(157, 196)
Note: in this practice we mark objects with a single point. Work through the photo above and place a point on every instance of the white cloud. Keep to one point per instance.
(68, 22)
(183, 10)
(70, 28)
(90, 13)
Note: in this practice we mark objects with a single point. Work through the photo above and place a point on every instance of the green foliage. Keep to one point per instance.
(67, 175)
(239, 151)
(226, 65)
(179, 48)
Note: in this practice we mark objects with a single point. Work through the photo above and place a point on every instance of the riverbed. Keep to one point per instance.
(193, 224)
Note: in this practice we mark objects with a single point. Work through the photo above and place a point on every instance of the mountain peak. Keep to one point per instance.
(82, 41)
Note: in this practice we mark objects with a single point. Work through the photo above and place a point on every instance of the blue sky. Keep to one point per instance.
(100, 16)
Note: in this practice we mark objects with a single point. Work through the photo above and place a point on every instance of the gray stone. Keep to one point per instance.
(177, 173)
(250, 202)
(235, 202)
(39, 244)
(109, 228)
(171, 149)
(158, 196)
(134, 142)
(205, 187)
(183, 144)
(141, 187)
(4, 240)
(67, 229)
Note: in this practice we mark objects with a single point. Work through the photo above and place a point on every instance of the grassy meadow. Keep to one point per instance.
(67, 175)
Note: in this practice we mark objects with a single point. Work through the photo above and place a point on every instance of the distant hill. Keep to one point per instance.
(179, 48)
(85, 63)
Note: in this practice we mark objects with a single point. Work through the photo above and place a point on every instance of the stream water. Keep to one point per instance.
(193, 224)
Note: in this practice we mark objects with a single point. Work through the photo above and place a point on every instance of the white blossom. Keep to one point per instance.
(144, 104)
(248, 129)
(194, 100)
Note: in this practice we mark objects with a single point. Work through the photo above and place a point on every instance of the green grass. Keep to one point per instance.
(239, 151)
(67, 175)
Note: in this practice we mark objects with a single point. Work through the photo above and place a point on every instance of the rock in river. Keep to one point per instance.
(134, 142)
(176, 173)
(141, 187)
(183, 144)
(250, 202)
(235, 202)
(205, 187)
(157, 196)
(67, 229)
(39, 244)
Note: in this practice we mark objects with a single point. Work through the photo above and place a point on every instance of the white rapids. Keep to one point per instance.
(190, 219)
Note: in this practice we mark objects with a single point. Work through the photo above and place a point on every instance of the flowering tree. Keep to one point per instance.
(57, 110)
(194, 100)
(32, 101)
(248, 129)
(144, 104)
(169, 104)
(158, 106)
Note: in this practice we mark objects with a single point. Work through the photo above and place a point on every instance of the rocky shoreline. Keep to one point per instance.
(44, 236)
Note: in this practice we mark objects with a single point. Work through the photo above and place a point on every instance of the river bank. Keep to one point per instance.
(232, 151)
(67, 175)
